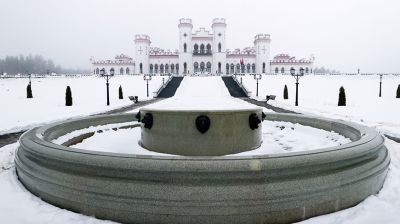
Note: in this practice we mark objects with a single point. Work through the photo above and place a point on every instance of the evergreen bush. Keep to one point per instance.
(68, 97)
(29, 91)
(120, 93)
(342, 97)
(285, 93)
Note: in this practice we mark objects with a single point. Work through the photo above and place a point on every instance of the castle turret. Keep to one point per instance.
(142, 48)
(219, 46)
(261, 45)
(185, 46)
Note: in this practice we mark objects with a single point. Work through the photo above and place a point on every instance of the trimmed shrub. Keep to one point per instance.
(120, 93)
(398, 92)
(285, 93)
(68, 97)
(29, 91)
(342, 97)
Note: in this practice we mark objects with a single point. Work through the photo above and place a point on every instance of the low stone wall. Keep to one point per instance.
(279, 188)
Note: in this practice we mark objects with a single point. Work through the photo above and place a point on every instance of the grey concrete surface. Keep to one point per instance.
(278, 188)
(175, 132)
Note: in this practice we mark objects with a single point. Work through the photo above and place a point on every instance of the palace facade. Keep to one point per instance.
(202, 52)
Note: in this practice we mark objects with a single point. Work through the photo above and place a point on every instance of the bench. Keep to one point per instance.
(270, 97)
(135, 99)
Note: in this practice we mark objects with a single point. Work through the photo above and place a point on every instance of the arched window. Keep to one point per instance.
(237, 68)
(196, 67)
(219, 47)
(112, 71)
(292, 68)
(177, 68)
(185, 68)
(141, 68)
(248, 68)
(202, 49)
(184, 47)
(161, 69)
(307, 70)
(263, 68)
(227, 68)
(166, 68)
(276, 70)
(243, 68)
(172, 68)
(219, 68)
(97, 71)
(208, 48)
(253, 68)
(196, 49)
(232, 68)
(151, 68)
(208, 67)
(282, 70)
(121, 71)
(156, 68)
(127, 71)
(202, 66)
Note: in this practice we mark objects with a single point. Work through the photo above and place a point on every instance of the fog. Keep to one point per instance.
(342, 34)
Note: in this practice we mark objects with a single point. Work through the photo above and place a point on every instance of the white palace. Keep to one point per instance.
(202, 52)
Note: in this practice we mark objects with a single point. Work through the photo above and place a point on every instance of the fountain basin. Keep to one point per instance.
(277, 188)
(176, 132)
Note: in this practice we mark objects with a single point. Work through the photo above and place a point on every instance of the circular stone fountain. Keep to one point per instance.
(278, 188)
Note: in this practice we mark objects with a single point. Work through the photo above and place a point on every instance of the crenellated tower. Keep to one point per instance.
(185, 46)
(219, 46)
(142, 48)
(262, 47)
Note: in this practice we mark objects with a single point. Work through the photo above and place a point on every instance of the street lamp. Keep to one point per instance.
(147, 77)
(380, 85)
(30, 78)
(297, 77)
(107, 78)
(257, 77)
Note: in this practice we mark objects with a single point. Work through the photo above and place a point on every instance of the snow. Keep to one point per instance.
(318, 95)
(202, 93)
(278, 137)
(48, 103)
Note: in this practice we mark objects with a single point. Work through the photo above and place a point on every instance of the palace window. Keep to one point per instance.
(248, 68)
(196, 49)
(141, 68)
(121, 71)
(172, 68)
(185, 68)
(263, 67)
(219, 47)
(219, 68)
(307, 70)
(253, 68)
(184, 47)
(282, 70)
(97, 71)
(161, 69)
(232, 68)
(208, 48)
(166, 68)
(202, 66)
(276, 70)
(127, 71)
(202, 49)
(208, 67)
(237, 68)
(156, 68)
(243, 68)
(177, 68)
(151, 68)
(227, 68)
(196, 67)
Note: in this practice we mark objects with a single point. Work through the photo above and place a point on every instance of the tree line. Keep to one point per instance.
(33, 65)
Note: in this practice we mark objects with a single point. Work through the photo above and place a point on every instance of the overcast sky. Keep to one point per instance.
(342, 34)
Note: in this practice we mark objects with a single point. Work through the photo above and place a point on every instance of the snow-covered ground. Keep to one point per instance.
(318, 95)
(278, 137)
(202, 93)
(48, 103)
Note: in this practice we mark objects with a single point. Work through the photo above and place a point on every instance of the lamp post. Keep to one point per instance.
(257, 77)
(380, 85)
(297, 77)
(107, 78)
(147, 77)
(30, 79)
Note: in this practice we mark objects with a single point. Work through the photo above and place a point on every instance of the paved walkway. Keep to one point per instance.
(170, 89)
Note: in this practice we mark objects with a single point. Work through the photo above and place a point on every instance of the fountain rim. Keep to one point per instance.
(366, 135)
